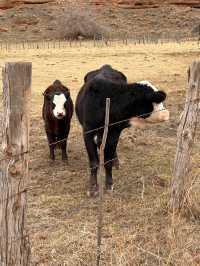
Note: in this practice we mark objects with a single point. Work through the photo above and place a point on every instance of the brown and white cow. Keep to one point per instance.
(57, 113)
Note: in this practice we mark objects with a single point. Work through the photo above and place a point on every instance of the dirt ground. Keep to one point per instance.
(62, 220)
(43, 22)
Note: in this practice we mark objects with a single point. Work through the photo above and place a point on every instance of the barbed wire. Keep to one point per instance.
(86, 132)
(50, 182)
(110, 124)
(121, 121)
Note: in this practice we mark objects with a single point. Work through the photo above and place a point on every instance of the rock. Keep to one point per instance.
(2, 13)
(26, 20)
(191, 3)
(2, 29)
(4, 4)
(132, 4)
(36, 1)
(129, 4)
(50, 28)
(23, 28)
(196, 29)
(36, 31)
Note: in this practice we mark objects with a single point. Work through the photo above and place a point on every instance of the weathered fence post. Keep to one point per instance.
(14, 242)
(185, 139)
(101, 183)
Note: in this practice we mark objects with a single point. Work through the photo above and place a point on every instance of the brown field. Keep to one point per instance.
(62, 220)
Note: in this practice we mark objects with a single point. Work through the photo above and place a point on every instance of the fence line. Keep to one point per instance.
(90, 168)
(110, 124)
(71, 211)
(31, 188)
(104, 42)
(100, 181)
(50, 182)
(120, 122)
(102, 127)
(12, 158)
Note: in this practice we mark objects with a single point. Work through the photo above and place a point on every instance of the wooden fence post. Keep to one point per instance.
(101, 183)
(185, 139)
(14, 242)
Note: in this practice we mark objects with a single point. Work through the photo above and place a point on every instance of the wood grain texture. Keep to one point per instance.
(14, 244)
(100, 181)
(185, 140)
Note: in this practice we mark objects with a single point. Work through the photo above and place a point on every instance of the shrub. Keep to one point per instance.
(80, 23)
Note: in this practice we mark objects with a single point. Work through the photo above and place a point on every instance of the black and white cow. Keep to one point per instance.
(128, 101)
(57, 113)
(160, 114)
(108, 73)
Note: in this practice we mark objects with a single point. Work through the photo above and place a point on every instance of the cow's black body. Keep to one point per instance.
(127, 101)
(106, 72)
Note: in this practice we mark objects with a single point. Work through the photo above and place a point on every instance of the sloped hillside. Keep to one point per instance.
(148, 3)
(33, 22)
(118, 3)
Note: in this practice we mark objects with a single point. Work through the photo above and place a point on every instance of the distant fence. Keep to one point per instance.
(103, 42)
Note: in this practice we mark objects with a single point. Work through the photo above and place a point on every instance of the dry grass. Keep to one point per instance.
(137, 227)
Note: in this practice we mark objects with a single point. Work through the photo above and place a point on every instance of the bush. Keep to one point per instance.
(80, 23)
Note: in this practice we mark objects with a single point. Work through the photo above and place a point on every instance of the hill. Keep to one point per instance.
(34, 20)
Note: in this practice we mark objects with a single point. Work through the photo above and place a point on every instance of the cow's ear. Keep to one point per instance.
(67, 93)
(47, 96)
(86, 78)
(157, 96)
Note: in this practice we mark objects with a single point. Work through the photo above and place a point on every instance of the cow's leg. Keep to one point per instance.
(93, 162)
(110, 156)
(64, 150)
(115, 161)
(51, 141)
(64, 143)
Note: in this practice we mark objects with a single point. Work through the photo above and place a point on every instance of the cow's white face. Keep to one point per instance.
(59, 110)
(159, 114)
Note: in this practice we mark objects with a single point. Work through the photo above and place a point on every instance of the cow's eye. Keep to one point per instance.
(65, 104)
(53, 105)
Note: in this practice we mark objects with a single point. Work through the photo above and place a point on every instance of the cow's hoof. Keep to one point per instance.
(52, 157)
(109, 188)
(93, 191)
(65, 159)
(116, 163)
(51, 163)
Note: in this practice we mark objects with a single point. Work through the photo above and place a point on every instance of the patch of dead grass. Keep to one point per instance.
(137, 227)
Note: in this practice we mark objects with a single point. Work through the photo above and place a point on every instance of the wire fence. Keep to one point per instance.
(75, 209)
(102, 42)
(11, 157)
